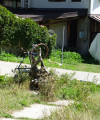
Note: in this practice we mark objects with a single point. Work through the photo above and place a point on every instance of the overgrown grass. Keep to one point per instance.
(85, 94)
(71, 61)
(86, 110)
(48, 86)
(14, 97)
(64, 87)
(73, 89)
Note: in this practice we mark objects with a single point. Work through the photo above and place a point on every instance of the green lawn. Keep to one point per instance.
(78, 66)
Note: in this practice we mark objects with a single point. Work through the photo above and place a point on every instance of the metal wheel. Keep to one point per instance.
(44, 50)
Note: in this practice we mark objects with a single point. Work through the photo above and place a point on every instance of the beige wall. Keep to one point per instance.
(58, 29)
(82, 34)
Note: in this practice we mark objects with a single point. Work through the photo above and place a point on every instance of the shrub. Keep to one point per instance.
(68, 57)
(17, 32)
(6, 18)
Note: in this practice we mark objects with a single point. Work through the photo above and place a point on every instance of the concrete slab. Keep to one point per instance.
(38, 111)
(35, 111)
(9, 67)
(80, 75)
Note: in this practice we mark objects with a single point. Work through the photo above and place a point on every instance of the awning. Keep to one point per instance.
(95, 17)
(49, 14)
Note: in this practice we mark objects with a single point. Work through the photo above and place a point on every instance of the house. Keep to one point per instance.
(77, 21)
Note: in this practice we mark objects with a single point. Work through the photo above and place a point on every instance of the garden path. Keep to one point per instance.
(38, 111)
(7, 67)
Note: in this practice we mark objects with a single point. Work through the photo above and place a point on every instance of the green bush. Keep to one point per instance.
(16, 32)
(6, 18)
(68, 57)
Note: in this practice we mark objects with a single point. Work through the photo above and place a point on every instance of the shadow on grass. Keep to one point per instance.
(88, 59)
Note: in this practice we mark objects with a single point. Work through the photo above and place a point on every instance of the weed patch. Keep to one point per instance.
(4, 80)
(74, 89)
(14, 97)
(85, 94)
(48, 87)
(82, 110)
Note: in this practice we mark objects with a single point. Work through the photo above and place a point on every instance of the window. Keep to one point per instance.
(1, 2)
(57, 0)
(12, 3)
(76, 0)
(26, 3)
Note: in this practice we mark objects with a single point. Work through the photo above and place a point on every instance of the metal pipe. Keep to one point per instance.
(63, 44)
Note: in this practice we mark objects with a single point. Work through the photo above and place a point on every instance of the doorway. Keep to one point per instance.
(72, 34)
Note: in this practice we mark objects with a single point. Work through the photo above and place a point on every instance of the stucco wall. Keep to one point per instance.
(66, 4)
(83, 39)
(95, 7)
(58, 29)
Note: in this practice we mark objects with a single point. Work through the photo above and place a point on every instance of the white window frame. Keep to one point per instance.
(23, 3)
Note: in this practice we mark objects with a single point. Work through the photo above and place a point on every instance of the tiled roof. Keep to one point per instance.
(48, 14)
(95, 17)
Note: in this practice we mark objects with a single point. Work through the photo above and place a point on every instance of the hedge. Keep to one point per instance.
(16, 32)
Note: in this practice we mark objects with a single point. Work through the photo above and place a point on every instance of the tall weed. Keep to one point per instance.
(48, 87)
(73, 89)
(14, 97)
(86, 110)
